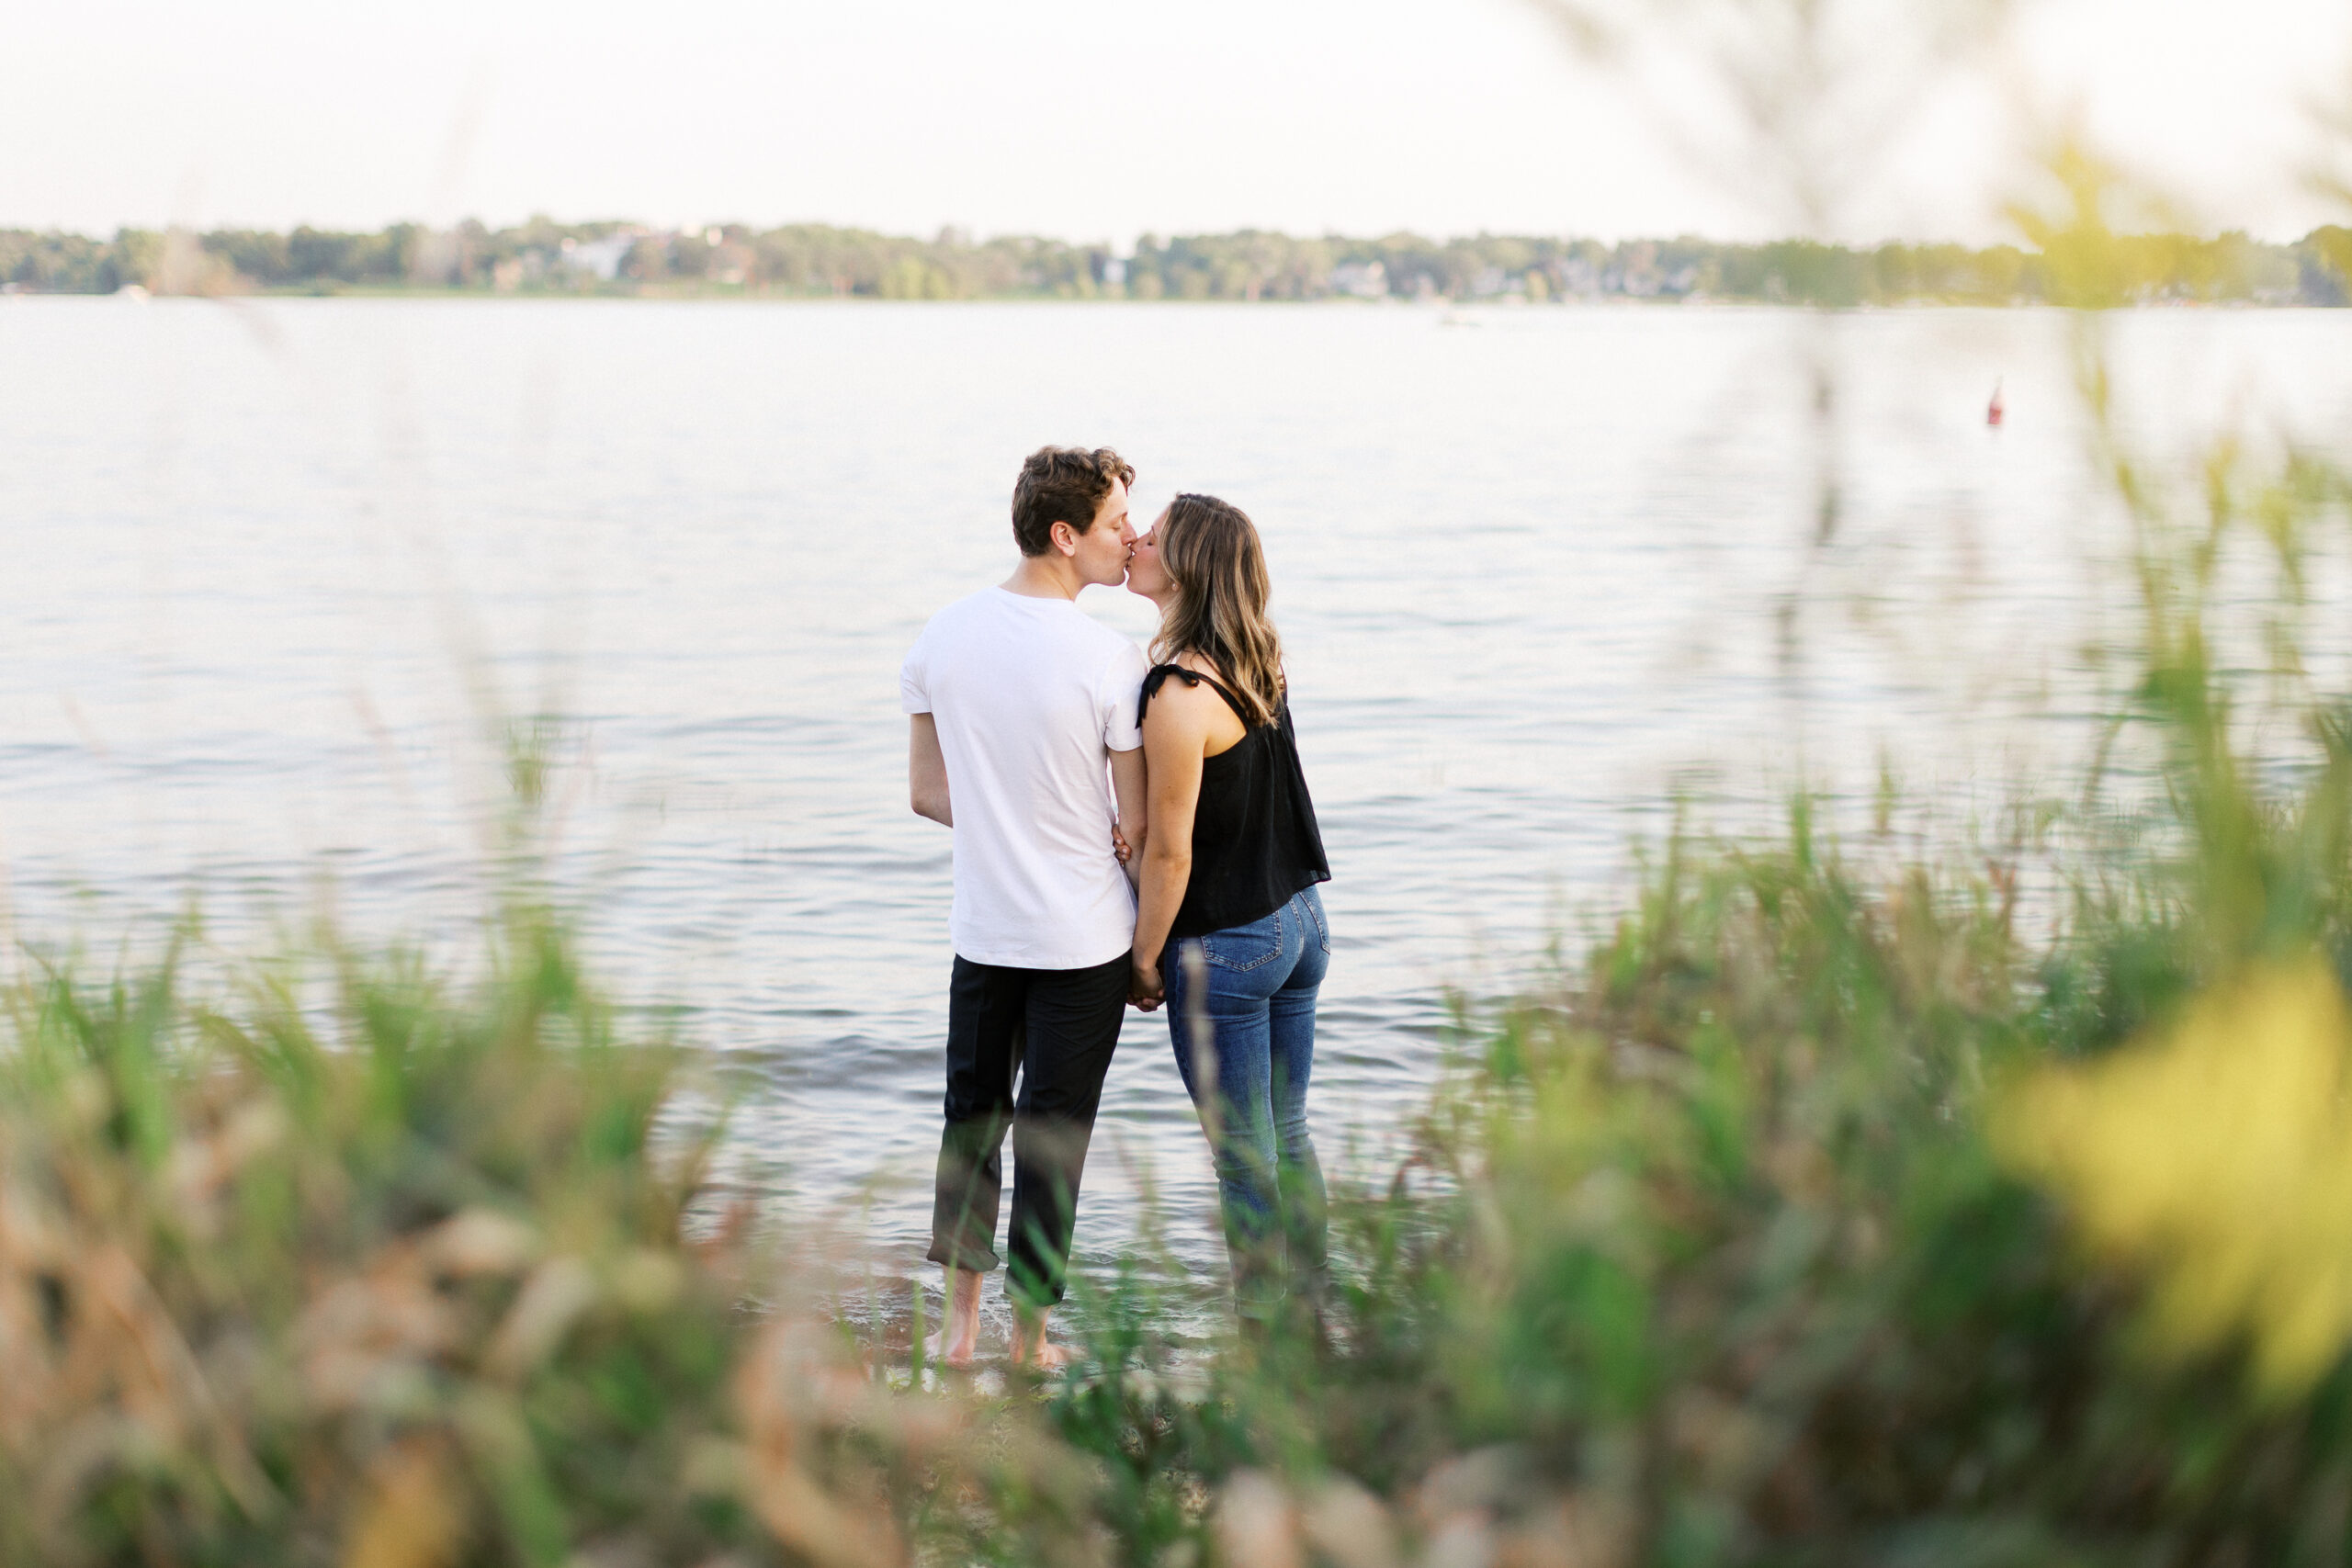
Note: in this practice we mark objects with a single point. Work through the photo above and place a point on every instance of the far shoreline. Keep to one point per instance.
(1440, 306)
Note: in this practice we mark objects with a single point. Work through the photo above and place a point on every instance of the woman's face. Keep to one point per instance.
(1144, 574)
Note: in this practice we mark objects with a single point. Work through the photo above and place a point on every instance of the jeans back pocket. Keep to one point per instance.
(1243, 948)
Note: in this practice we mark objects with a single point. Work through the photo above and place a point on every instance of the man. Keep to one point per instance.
(1023, 741)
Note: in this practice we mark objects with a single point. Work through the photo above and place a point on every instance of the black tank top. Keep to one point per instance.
(1254, 839)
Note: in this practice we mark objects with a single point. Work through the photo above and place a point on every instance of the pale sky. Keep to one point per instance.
(1089, 119)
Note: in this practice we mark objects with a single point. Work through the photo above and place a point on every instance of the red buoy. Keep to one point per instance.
(1993, 409)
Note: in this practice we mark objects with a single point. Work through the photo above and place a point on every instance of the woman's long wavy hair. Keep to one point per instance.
(1210, 551)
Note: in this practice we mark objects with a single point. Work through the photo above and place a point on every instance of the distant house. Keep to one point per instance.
(1365, 280)
(600, 258)
(1577, 276)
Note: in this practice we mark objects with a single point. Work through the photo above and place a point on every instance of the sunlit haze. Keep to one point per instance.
(1074, 119)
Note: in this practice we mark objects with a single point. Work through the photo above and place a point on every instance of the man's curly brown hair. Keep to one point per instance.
(1063, 484)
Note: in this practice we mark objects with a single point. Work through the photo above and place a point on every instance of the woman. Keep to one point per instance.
(1229, 928)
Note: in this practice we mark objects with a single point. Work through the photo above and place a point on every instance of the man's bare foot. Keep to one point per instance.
(958, 1343)
(1032, 1348)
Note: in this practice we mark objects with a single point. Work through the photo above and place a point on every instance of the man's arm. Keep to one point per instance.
(927, 771)
(1127, 790)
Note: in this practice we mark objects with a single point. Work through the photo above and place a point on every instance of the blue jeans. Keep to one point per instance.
(1254, 1008)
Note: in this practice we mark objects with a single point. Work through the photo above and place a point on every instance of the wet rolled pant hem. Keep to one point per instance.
(977, 1262)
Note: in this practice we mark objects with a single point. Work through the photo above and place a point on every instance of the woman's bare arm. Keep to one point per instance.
(1176, 732)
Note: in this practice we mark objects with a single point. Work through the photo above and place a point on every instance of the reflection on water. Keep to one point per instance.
(1529, 575)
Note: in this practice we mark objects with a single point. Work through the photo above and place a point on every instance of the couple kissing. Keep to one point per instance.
(1128, 830)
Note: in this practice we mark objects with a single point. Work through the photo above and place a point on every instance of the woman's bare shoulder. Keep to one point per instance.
(1181, 707)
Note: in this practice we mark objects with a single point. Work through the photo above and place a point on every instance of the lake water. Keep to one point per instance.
(274, 565)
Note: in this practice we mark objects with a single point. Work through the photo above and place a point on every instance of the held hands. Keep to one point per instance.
(1146, 990)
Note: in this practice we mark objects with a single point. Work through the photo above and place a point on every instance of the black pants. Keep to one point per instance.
(1059, 1026)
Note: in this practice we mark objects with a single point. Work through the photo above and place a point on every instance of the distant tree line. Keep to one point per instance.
(545, 256)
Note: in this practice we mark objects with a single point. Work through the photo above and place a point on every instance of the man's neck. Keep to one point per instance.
(1045, 577)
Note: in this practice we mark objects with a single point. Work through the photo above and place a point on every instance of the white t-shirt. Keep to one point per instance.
(1031, 696)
